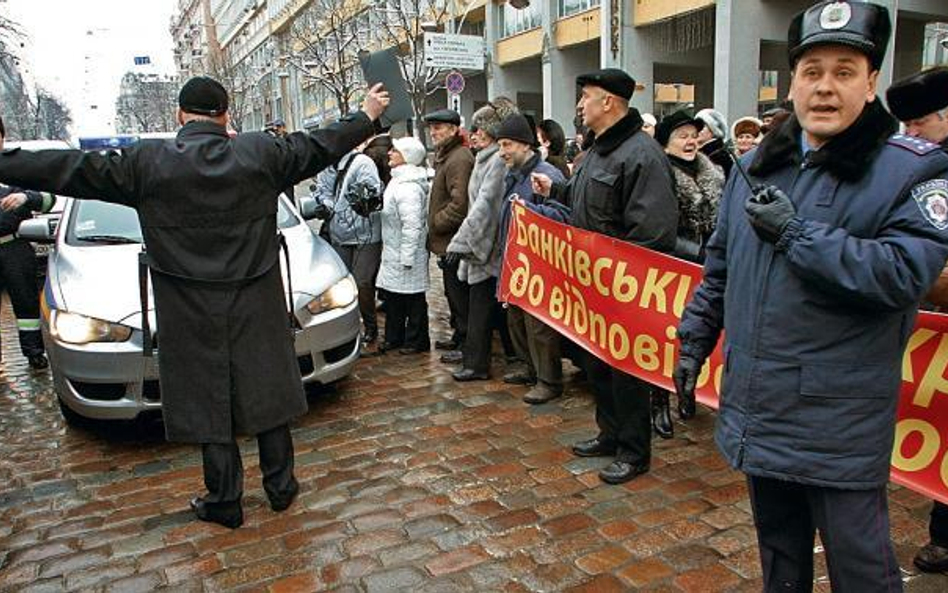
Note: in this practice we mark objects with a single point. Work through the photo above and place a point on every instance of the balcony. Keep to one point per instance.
(519, 47)
(578, 28)
(648, 12)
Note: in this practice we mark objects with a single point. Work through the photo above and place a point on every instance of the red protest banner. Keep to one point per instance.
(623, 303)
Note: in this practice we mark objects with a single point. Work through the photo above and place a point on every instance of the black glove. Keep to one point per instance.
(452, 258)
(686, 378)
(770, 211)
(322, 212)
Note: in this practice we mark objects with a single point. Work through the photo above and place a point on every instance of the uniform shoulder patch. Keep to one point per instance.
(932, 199)
(919, 146)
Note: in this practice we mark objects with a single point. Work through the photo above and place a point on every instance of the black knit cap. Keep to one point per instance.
(919, 95)
(616, 81)
(861, 25)
(204, 96)
(516, 127)
(672, 122)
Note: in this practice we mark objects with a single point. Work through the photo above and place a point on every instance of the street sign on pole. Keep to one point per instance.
(461, 52)
(454, 82)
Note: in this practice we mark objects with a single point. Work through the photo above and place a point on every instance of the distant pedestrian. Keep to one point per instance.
(746, 132)
(552, 143)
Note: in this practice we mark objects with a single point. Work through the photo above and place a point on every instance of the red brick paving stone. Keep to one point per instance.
(252, 553)
(568, 524)
(565, 487)
(516, 539)
(66, 564)
(470, 494)
(191, 570)
(603, 560)
(164, 556)
(643, 483)
(300, 583)
(349, 571)
(375, 520)
(745, 563)
(500, 469)
(554, 457)
(690, 557)
(551, 473)
(727, 494)
(97, 575)
(44, 551)
(648, 544)
(646, 572)
(228, 580)
(316, 535)
(618, 530)
(512, 519)
(656, 517)
(707, 580)
(369, 542)
(733, 540)
(604, 583)
(457, 560)
(687, 530)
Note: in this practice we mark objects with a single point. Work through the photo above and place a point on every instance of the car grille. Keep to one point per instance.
(100, 391)
(340, 352)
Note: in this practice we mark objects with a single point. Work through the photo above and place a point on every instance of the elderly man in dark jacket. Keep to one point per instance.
(815, 274)
(920, 102)
(447, 207)
(207, 205)
(623, 189)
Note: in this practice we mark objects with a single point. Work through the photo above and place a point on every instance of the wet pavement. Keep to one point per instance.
(410, 482)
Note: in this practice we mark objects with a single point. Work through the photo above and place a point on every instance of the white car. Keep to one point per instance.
(91, 311)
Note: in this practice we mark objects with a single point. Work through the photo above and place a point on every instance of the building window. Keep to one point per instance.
(513, 21)
(568, 7)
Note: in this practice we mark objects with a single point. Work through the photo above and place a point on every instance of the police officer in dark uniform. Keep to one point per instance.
(920, 102)
(623, 188)
(18, 265)
(207, 205)
(815, 272)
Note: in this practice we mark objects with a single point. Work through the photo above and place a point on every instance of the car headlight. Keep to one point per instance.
(79, 329)
(339, 295)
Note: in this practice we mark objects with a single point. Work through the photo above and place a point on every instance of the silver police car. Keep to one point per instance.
(91, 308)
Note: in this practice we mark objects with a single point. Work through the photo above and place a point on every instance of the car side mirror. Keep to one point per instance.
(308, 206)
(38, 230)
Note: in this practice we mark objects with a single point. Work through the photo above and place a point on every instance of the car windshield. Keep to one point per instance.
(101, 222)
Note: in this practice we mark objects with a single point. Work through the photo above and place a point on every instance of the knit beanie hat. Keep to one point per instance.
(715, 122)
(489, 117)
(411, 149)
(516, 127)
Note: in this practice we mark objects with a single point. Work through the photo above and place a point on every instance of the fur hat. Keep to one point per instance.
(670, 123)
(489, 117)
(411, 149)
(920, 94)
(649, 119)
(747, 125)
(715, 122)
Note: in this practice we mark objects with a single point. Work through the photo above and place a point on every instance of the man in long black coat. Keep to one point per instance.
(207, 205)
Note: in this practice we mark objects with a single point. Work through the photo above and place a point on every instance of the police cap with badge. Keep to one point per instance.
(919, 95)
(861, 25)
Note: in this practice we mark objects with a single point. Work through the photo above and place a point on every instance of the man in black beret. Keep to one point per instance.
(814, 275)
(622, 188)
(920, 102)
(447, 208)
(207, 204)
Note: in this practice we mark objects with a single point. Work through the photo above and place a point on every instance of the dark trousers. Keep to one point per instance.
(406, 320)
(456, 292)
(538, 345)
(18, 278)
(938, 526)
(363, 262)
(224, 471)
(622, 410)
(481, 320)
(854, 529)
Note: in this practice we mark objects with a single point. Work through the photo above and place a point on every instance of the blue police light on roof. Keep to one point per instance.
(107, 142)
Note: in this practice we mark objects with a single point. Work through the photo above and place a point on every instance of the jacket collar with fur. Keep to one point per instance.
(612, 138)
(447, 148)
(846, 156)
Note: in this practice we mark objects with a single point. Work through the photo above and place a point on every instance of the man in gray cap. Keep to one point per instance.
(815, 272)
(207, 204)
(920, 102)
(623, 189)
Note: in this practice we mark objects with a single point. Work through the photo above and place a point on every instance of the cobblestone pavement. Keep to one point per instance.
(410, 482)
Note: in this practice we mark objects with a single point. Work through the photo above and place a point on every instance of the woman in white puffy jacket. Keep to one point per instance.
(403, 274)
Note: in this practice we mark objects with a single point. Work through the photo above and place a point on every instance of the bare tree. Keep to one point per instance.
(146, 103)
(324, 44)
(239, 81)
(51, 116)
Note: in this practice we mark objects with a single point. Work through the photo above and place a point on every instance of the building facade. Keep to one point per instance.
(729, 54)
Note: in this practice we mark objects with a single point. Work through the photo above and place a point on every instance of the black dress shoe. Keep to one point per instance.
(932, 558)
(520, 378)
(228, 514)
(661, 414)
(465, 375)
(446, 345)
(619, 472)
(597, 447)
(283, 502)
(541, 394)
(414, 349)
(452, 357)
(37, 361)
